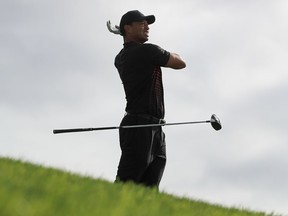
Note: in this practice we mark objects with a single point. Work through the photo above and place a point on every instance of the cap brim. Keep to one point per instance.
(150, 19)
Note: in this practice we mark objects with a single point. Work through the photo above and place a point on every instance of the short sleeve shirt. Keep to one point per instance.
(139, 67)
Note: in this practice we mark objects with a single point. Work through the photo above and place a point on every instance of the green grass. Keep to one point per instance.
(32, 190)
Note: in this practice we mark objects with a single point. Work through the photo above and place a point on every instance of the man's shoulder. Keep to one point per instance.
(134, 45)
(143, 49)
(150, 46)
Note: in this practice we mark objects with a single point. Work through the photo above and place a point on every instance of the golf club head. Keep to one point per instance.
(215, 122)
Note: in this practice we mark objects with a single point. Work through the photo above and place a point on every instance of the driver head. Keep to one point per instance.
(215, 122)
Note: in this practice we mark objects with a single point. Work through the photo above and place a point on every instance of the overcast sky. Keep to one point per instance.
(56, 71)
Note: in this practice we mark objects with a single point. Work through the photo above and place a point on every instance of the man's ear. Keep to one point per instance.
(127, 29)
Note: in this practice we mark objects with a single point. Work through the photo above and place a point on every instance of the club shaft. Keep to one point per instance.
(73, 130)
(164, 124)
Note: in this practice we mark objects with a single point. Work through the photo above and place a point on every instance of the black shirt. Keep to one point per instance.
(139, 67)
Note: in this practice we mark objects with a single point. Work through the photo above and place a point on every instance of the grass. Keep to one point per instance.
(32, 190)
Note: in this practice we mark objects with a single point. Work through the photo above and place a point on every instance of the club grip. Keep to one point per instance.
(57, 131)
(73, 130)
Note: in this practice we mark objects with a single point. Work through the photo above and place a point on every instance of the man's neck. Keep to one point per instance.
(129, 39)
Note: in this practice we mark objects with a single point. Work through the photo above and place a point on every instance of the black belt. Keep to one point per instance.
(151, 118)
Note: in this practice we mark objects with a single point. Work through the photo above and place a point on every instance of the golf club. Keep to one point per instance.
(214, 121)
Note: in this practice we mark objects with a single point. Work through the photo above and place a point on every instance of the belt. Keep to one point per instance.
(151, 118)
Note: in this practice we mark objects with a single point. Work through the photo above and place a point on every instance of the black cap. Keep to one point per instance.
(134, 16)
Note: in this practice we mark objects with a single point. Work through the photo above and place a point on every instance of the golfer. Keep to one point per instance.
(139, 65)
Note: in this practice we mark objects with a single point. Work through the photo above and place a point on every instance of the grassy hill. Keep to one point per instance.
(33, 190)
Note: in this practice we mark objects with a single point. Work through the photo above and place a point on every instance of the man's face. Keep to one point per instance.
(139, 31)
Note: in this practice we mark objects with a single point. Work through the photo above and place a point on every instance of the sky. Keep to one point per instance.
(57, 71)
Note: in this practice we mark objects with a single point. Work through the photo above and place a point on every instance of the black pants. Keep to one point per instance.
(143, 155)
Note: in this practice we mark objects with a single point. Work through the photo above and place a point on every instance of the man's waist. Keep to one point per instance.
(148, 117)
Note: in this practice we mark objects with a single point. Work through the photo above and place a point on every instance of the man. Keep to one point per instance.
(139, 65)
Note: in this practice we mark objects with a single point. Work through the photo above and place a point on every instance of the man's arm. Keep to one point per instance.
(175, 62)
